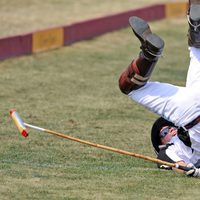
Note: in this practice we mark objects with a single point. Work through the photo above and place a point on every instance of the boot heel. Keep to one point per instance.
(154, 44)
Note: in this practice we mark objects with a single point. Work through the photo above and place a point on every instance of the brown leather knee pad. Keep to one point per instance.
(128, 80)
(136, 75)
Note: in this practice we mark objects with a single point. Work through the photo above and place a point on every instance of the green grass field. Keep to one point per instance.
(74, 90)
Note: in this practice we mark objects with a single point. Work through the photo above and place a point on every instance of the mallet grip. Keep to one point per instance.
(18, 122)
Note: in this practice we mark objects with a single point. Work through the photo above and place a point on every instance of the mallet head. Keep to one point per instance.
(18, 122)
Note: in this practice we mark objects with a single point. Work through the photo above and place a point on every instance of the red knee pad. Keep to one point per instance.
(137, 74)
(125, 83)
(128, 80)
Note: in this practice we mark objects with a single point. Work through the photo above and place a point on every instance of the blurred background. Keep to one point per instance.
(21, 16)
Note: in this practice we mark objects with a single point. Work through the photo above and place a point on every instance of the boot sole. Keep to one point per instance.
(143, 32)
(140, 28)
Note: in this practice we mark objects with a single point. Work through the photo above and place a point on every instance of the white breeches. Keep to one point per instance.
(179, 105)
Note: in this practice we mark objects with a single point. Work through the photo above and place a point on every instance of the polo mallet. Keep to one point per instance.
(22, 129)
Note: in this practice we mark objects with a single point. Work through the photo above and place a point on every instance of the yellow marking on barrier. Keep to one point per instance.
(47, 39)
(178, 9)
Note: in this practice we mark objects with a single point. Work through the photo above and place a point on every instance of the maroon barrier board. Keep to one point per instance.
(15, 46)
(91, 28)
(23, 44)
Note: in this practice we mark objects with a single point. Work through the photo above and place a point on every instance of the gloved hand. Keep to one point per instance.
(193, 170)
(164, 167)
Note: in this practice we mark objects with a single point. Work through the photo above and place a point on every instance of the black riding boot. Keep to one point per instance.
(194, 23)
(139, 71)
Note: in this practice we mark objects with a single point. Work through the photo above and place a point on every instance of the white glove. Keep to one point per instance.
(193, 171)
(165, 167)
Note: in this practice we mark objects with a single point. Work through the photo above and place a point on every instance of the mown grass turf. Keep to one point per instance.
(74, 90)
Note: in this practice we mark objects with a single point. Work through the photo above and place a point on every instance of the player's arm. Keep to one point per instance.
(169, 154)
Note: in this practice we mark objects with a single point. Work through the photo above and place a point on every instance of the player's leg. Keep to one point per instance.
(179, 105)
(140, 69)
(193, 76)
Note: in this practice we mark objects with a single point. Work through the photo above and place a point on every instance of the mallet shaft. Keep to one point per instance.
(34, 127)
(22, 128)
(101, 146)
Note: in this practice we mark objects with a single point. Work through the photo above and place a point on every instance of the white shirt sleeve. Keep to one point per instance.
(172, 154)
(179, 151)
